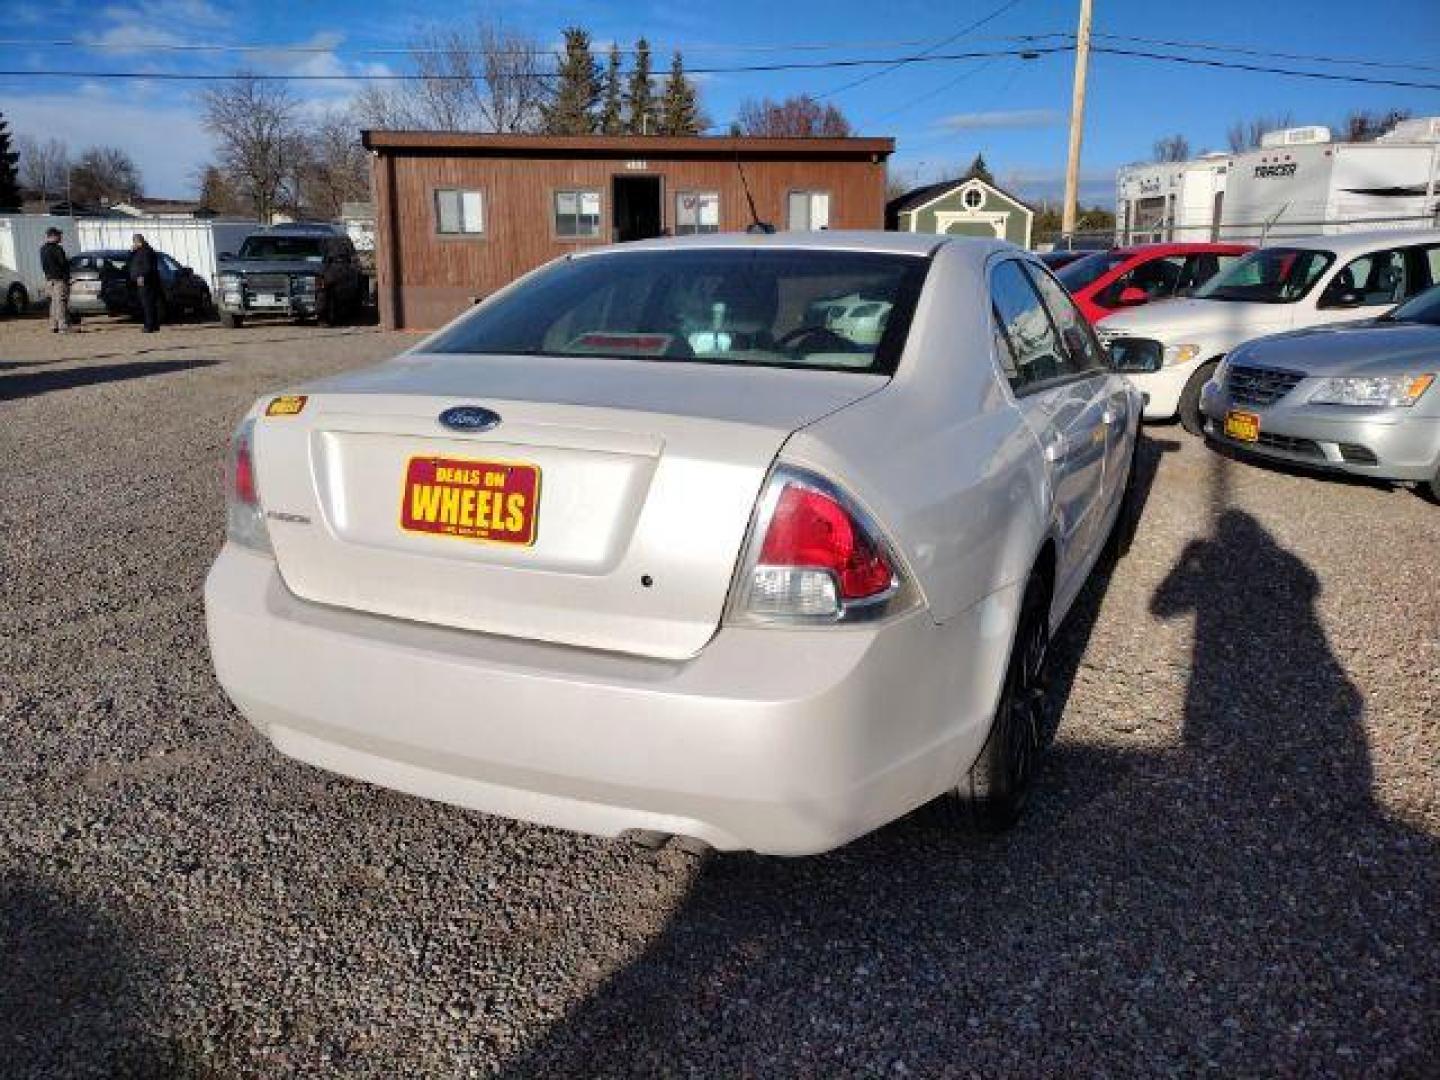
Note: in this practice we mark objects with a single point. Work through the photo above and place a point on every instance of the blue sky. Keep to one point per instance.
(941, 114)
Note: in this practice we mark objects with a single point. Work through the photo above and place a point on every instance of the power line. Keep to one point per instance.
(1235, 65)
(1242, 51)
(177, 76)
(924, 53)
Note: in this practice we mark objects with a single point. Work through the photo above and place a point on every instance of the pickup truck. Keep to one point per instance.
(300, 272)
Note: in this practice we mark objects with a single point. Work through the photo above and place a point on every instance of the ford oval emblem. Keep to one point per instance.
(470, 418)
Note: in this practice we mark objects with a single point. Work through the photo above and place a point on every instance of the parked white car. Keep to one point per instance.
(1170, 350)
(14, 296)
(557, 563)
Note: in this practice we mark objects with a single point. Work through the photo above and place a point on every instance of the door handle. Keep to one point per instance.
(1057, 449)
(1111, 416)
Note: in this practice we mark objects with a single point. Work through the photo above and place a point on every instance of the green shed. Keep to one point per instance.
(966, 207)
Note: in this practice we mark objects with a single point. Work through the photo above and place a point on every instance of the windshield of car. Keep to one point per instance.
(283, 249)
(832, 310)
(1082, 272)
(1268, 276)
(1424, 308)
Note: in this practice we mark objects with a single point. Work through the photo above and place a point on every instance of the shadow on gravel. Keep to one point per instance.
(14, 387)
(69, 1001)
(1236, 904)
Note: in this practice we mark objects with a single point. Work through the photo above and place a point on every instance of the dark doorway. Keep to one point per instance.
(637, 207)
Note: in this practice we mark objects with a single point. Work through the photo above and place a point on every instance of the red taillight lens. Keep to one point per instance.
(811, 529)
(243, 476)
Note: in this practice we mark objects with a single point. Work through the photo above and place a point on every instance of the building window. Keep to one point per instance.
(809, 210)
(577, 214)
(697, 212)
(459, 213)
(973, 198)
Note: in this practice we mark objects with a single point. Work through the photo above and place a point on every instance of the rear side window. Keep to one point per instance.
(1034, 346)
(1075, 334)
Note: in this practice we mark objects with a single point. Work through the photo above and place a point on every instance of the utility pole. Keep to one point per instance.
(1077, 120)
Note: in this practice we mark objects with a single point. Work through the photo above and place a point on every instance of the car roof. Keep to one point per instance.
(1357, 243)
(894, 243)
(301, 228)
(1187, 248)
(106, 253)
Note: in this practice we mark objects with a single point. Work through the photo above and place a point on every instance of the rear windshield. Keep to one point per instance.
(831, 310)
(1268, 276)
(283, 248)
(1082, 272)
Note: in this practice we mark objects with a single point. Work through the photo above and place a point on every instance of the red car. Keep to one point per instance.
(1108, 281)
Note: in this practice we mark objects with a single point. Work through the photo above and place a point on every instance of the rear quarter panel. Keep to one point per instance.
(941, 457)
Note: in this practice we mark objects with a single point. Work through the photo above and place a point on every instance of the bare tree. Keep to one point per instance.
(1246, 134)
(485, 77)
(1172, 148)
(800, 116)
(103, 175)
(256, 132)
(1361, 125)
(43, 166)
(335, 168)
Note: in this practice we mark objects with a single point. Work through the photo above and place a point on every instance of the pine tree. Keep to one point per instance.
(640, 97)
(612, 110)
(680, 113)
(572, 110)
(9, 175)
(979, 170)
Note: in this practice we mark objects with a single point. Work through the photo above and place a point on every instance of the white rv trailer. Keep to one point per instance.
(1298, 183)
(1176, 201)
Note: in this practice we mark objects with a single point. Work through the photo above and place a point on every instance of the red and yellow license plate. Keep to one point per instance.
(1244, 426)
(497, 502)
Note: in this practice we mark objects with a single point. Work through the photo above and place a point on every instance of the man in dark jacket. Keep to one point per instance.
(56, 266)
(145, 276)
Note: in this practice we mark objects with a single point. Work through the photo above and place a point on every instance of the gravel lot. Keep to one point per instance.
(1232, 864)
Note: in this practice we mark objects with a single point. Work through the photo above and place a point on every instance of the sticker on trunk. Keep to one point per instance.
(494, 502)
(286, 405)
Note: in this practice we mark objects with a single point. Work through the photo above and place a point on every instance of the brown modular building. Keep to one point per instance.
(460, 215)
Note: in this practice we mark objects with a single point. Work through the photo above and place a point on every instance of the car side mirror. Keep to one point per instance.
(1346, 298)
(1136, 356)
(226, 256)
(1132, 296)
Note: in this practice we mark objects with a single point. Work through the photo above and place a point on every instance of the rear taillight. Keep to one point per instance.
(815, 556)
(244, 522)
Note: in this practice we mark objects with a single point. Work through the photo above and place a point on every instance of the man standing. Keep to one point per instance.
(56, 266)
(145, 276)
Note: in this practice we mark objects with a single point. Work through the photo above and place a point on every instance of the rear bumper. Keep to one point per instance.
(1389, 444)
(783, 741)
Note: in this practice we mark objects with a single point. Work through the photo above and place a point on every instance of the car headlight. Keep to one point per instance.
(304, 284)
(1390, 391)
(230, 281)
(1180, 354)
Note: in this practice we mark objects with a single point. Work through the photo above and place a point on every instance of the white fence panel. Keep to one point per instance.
(196, 244)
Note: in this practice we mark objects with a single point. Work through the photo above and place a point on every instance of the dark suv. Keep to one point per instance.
(294, 272)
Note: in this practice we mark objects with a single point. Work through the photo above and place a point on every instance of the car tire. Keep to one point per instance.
(17, 300)
(1430, 489)
(1191, 419)
(230, 321)
(997, 786)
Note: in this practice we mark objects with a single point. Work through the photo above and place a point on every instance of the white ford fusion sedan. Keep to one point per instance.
(650, 542)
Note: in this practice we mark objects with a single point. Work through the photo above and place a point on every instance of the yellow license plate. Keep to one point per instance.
(1244, 426)
(491, 501)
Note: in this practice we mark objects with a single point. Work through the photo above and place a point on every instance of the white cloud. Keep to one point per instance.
(166, 142)
(1003, 118)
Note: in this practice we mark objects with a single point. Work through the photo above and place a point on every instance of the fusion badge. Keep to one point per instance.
(491, 501)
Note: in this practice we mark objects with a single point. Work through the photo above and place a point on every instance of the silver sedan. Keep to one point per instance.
(1357, 398)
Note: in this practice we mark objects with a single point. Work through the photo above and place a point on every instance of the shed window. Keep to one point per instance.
(577, 213)
(697, 212)
(973, 198)
(809, 210)
(459, 213)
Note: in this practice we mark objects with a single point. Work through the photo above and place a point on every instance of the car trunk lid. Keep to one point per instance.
(606, 509)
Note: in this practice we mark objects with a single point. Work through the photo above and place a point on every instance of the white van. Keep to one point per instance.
(1170, 349)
